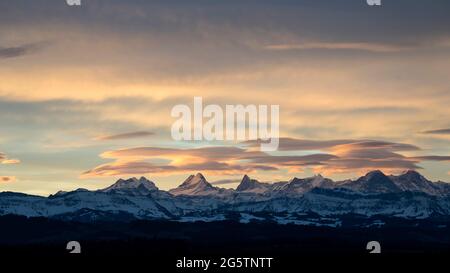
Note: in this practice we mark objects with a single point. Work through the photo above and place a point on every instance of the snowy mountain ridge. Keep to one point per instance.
(409, 195)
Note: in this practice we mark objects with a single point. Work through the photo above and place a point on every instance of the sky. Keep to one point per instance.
(86, 92)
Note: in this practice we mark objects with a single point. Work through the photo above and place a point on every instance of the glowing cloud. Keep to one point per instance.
(7, 179)
(125, 135)
(337, 156)
(6, 161)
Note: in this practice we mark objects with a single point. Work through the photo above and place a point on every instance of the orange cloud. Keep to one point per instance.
(337, 156)
(211, 160)
(5, 160)
(119, 168)
(10, 161)
(7, 179)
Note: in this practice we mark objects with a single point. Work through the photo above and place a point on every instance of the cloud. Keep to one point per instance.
(120, 168)
(216, 160)
(125, 135)
(226, 181)
(346, 156)
(360, 166)
(7, 179)
(6, 161)
(335, 156)
(362, 46)
(437, 132)
(213, 160)
(45, 122)
(211, 153)
(126, 168)
(19, 51)
(293, 144)
(363, 156)
(10, 161)
(322, 66)
(304, 160)
(373, 144)
(354, 156)
(225, 168)
(432, 158)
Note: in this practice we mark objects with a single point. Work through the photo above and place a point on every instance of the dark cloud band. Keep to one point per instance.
(437, 132)
(19, 51)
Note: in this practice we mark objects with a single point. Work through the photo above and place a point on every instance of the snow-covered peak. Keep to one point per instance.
(373, 182)
(194, 180)
(195, 185)
(320, 181)
(414, 181)
(251, 185)
(245, 184)
(413, 175)
(374, 174)
(299, 185)
(133, 198)
(142, 185)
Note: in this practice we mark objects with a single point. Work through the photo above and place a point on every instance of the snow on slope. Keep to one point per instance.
(197, 185)
(408, 195)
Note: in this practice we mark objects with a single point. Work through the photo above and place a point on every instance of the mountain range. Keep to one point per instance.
(304, 201)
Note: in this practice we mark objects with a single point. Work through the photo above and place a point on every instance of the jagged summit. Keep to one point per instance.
(194, 179)
(374, 182)
(406, 195)
(252, 185)
(300, 185)
(142, 185)
(194, 185)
